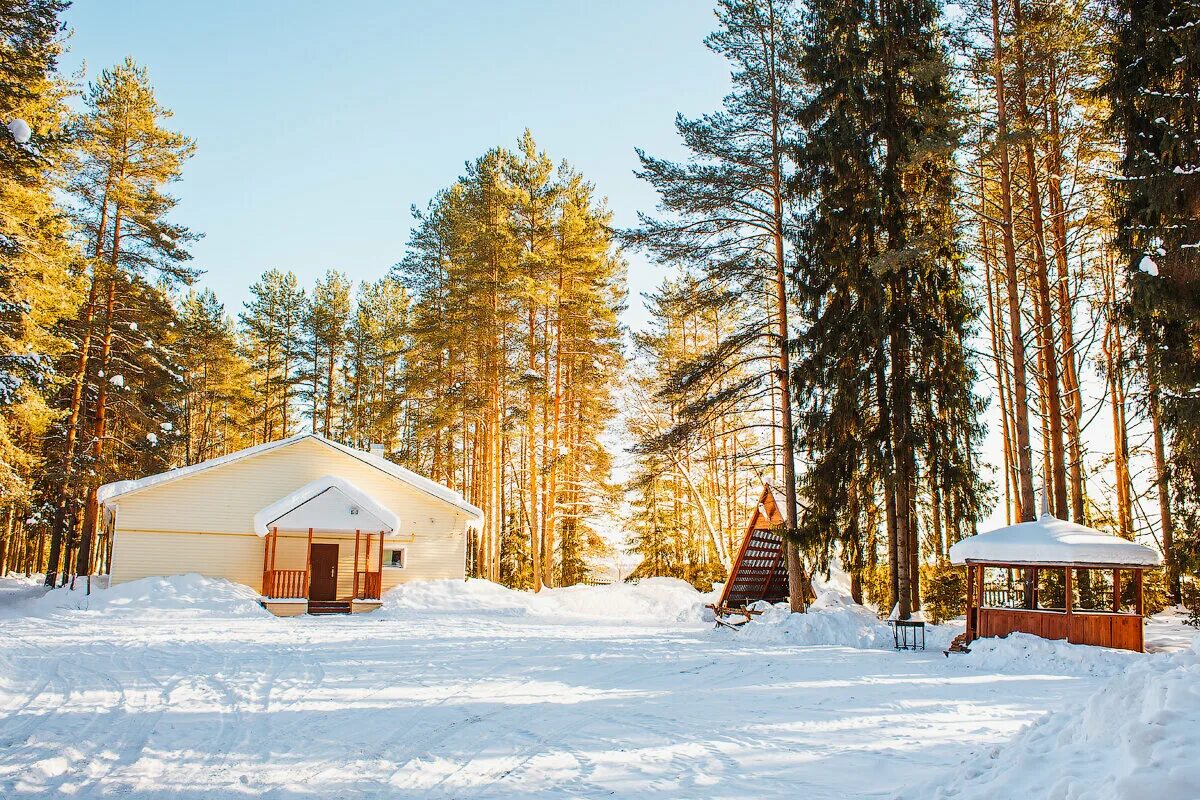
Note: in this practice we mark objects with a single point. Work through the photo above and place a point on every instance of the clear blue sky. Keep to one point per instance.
(319, 124)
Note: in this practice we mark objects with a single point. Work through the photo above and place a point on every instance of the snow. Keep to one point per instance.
(1049, 540)
(1148, 266)
(650, 600)
(833, 619)
(329, 504)
(190, 595)
(1135, 738)
(152, 438)
(185, 688)
(112, 491)
(20, 130)
(117, 380)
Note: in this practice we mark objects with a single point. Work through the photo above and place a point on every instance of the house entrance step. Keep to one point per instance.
(328, 606)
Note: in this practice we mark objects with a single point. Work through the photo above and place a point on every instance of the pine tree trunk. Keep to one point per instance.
(1017, 348)
(1045, 334)
(1072, 399)
(1162, 484)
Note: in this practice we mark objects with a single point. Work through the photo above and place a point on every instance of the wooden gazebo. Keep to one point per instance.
(1057, 580)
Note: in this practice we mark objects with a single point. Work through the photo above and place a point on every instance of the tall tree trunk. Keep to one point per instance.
(1046, 338)
(1072, 399)
(1162, 484)
(1017, 347)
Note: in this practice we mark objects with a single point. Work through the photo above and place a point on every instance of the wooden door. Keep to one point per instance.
(324, 565)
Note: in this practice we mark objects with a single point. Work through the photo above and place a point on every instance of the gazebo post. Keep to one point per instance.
(1137, 589)
(1069, 584)
(357, 533)
(1116, 603)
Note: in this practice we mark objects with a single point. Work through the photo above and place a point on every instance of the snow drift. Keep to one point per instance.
(833, 619)
(1134, 738)
(1026, 653)
(660, 600)
(191, 595)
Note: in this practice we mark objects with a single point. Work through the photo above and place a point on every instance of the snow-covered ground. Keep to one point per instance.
(184, 688)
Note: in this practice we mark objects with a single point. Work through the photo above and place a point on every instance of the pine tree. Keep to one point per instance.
(325, 330)
(273, 320)
(727, 217)
(127, 157)
(217, 405)
(38, 287)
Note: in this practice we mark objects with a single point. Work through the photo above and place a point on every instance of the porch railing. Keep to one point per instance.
(368, 585)
(285, 583)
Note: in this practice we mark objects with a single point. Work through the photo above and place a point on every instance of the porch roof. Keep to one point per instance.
(327, 504)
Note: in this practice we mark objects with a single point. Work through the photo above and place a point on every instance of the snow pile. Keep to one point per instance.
(1134, 738)
(1026, 653)
(190, 595)
(833, 619)
(664, 600)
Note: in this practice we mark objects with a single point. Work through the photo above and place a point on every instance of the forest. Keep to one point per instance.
(917, 246)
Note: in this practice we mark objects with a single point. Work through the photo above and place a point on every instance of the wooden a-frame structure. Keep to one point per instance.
(760, 570)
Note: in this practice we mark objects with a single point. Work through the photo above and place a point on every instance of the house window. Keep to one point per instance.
(394, 558)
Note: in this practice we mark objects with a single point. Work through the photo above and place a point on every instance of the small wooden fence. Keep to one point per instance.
(368, 585)
(285, 583)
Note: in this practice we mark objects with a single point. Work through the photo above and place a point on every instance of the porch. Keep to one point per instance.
(309, 566)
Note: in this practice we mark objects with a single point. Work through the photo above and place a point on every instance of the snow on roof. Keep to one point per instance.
(1050, 540)
(329, 504)
(112, 491)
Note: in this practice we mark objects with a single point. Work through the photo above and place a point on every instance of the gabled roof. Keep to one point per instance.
(111, 492)
(328, 504)
(1050, 540)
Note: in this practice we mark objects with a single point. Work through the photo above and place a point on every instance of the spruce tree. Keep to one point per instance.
(1153, 75)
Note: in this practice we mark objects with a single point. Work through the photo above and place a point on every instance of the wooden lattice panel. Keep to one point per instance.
(760, 573)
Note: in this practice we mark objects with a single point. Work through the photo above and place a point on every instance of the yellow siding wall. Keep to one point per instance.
(205, 522)
(143, 555)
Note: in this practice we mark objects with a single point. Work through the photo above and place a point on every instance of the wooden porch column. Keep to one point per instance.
(379, 586)
(356, 538)
(266, 562)
(308, 565)
(1116, 604)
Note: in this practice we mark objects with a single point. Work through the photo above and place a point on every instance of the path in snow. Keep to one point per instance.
(480, 704)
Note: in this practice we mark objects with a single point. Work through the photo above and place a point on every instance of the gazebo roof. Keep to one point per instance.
(1050, 540)
(327, 504)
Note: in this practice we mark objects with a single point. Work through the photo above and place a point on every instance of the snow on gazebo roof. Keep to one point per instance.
(1050, 540)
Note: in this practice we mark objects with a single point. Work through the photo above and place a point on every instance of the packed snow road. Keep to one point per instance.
(466, 693)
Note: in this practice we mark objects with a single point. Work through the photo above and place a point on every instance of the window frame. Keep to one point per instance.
(387, 561)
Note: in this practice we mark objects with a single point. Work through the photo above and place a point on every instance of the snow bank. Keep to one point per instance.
(664, 600)
(1025, 653)
(190, 595)
(1134, 738)
(833, 619)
